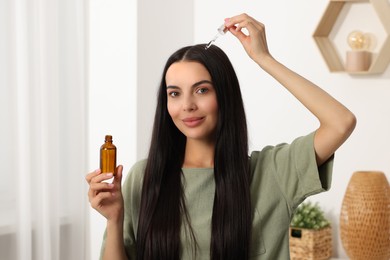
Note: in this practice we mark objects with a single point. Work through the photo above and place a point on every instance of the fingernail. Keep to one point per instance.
(227, 20)
(109, 174)
(110, 185)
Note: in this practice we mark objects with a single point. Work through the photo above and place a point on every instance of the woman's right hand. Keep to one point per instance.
(105, 197)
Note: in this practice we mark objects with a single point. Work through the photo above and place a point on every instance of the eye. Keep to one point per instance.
(202, 90)
(173, 94)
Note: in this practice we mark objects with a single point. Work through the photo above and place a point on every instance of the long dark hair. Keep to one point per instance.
(163, 208)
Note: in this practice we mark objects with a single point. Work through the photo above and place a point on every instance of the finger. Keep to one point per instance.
(102, 177)
(118, 176)
(91, 195)
(243, 21)
(101, 186)
(94, 189)
(100, 199)
(235, 19)
(239, 34)
(97, 179)
(91, 175)
(238, 19)
(252, 28)
(241, 25)
(256, 29)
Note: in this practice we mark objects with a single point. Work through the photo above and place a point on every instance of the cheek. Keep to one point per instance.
(172, 109)
(212, 106)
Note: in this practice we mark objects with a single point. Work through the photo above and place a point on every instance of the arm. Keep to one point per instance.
(336, 121)
(114, 248)
(107, 199)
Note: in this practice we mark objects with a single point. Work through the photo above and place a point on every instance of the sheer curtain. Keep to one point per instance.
(43, 129)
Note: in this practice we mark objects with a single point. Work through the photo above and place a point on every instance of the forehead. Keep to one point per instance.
(184, 71)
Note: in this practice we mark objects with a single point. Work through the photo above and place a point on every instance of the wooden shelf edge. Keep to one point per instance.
(329, 54)
(328, 19)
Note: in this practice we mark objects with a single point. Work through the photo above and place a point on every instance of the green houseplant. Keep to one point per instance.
(310, 233)
(309, 216)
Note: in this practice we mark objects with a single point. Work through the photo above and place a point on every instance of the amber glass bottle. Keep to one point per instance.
(108, 156)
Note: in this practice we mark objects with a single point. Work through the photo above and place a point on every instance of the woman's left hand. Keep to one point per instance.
(255, 43)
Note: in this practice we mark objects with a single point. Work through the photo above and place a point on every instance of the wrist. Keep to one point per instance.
(115, 221)
(115, 228)
(265, 61)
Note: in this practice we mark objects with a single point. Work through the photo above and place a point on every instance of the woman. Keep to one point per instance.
(199, 195)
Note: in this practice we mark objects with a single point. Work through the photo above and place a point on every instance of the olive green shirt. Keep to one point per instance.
(282, 177)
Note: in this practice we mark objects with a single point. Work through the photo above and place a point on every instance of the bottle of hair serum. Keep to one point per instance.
(108, 156)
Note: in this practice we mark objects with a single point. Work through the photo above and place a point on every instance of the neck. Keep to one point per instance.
(199, 154)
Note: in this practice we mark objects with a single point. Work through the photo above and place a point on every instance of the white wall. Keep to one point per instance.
(112, 90)
(273, 114)
(163, 27)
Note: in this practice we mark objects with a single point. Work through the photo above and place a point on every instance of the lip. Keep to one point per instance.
(193, 121)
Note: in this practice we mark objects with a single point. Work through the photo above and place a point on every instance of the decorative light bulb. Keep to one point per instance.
(358, 41)
(359, 59)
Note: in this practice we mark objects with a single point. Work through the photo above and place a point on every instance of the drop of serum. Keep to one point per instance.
(221, 31)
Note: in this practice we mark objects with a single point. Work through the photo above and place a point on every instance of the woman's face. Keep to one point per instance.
(192, 101)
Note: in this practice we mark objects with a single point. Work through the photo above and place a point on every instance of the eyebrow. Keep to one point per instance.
(193, 86)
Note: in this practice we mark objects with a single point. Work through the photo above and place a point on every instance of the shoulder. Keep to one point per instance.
(139, 166)
(272, 157)
(135, 175)
(299, 143)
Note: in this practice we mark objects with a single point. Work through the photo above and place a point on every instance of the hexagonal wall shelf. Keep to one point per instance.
(328, 50)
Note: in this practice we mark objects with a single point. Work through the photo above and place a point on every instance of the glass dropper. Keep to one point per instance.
(221, 31)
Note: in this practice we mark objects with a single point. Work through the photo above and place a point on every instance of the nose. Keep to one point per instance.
(189, 104)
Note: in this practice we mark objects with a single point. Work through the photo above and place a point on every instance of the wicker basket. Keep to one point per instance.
(365, 217)
(310, 243)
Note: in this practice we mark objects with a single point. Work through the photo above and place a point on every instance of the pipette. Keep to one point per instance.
(221, 31)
